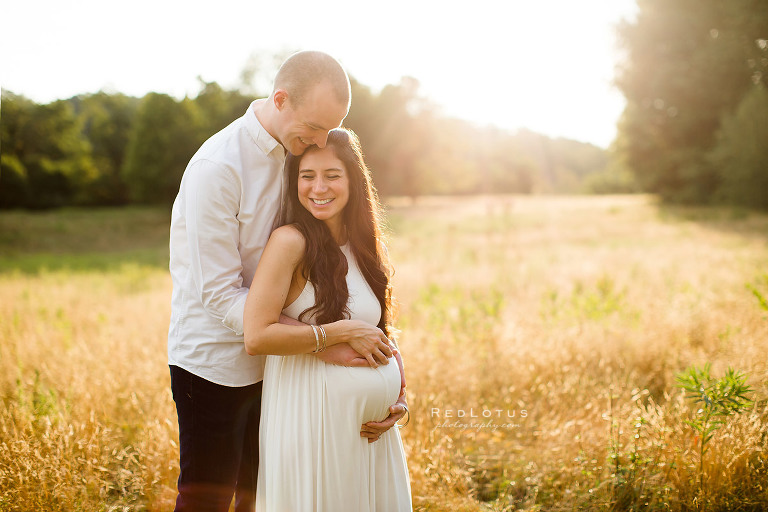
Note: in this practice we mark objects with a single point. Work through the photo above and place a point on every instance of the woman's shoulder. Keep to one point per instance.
(288, 238)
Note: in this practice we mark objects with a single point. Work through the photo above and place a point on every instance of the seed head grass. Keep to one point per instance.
(542, 337)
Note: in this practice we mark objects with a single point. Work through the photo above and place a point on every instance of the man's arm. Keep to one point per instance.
(209, 205)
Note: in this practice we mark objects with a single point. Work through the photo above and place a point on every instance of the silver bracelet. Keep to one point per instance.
(407, 420)
(317, 339)
(325, 338)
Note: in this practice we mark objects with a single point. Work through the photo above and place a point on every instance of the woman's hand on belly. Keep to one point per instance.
(374, 429)
(396, 409)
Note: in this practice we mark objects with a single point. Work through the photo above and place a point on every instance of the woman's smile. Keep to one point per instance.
(323, 186)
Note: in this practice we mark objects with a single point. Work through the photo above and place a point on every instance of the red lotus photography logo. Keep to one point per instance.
(477, 418)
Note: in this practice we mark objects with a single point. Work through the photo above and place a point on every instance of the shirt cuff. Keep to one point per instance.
(234, 318)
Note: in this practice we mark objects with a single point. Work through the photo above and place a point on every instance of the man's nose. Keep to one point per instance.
(321, 140)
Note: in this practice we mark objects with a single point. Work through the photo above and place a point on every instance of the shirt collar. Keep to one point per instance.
(260, 136)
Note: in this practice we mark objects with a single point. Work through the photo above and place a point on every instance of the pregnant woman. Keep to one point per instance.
(327, 269)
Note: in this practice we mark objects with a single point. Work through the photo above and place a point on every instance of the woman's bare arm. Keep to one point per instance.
(263, 332)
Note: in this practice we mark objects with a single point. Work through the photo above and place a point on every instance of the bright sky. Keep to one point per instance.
(545, 65)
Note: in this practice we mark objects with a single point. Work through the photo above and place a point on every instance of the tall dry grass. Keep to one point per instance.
(87, 420)
(579, 311)
(541, 337)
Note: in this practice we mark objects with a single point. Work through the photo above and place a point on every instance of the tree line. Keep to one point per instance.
(695, 76)
(107, 148)
(694, 130)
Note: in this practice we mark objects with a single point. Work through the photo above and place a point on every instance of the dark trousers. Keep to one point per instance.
(219, 443)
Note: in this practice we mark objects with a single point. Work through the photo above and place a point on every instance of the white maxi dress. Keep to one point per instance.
(312, 457)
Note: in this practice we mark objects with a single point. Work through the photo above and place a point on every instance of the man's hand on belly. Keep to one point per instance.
(341, 354)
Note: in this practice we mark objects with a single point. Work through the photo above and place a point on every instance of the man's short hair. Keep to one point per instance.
(306, 69)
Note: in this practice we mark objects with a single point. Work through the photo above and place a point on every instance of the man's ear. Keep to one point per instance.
(280, 98)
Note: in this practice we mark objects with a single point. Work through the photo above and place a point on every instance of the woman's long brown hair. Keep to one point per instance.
(324, 265)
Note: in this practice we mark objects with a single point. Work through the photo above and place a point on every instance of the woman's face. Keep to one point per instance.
(323, 185)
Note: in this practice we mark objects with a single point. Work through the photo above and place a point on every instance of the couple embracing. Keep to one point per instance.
(286, 383)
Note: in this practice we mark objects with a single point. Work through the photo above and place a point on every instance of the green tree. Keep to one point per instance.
(165, 135)
(413, 150)
(14, 184)
(573, 161)
(502, 163)
(106, 121)
(741, 154)
(688, 63)
(218, 107)
(46, 162)
(615, 178)
(390, 125)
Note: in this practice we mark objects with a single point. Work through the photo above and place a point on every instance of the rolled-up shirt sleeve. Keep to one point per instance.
(213, 235)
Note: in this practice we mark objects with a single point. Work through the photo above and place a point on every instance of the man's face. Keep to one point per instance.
(309, 123)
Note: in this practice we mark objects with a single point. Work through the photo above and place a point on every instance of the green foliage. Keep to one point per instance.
(414, 151)
(106, 121)
(688, 64)
(587, 302)
(40, 401)
(75, 239)
(111, 149)
(164, 137)
(45, 160)
(393, 127)
(468, 315)
(16, 112)
(741, 154)
(717, 399)
(762, 298)
(615, 178)
(218, 107)
(628, 463)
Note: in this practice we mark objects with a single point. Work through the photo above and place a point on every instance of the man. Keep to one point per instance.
(228, 203)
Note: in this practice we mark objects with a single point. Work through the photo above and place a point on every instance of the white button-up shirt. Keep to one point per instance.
(228, 201)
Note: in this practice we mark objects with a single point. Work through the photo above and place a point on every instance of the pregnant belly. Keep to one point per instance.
(368, 391)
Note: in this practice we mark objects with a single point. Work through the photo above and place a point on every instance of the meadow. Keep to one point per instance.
(542, 338)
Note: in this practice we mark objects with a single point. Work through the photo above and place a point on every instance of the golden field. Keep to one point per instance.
(541, 335)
